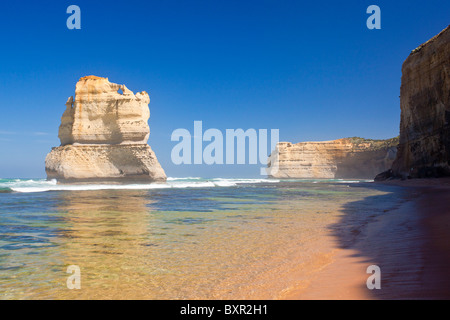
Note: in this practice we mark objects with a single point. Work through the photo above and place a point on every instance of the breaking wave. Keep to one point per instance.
(42, 185)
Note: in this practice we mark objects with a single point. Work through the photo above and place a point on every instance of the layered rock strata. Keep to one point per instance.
(424, 147)
(355, 158)
(103, 134)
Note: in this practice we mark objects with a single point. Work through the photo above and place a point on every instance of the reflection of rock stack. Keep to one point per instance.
(104, 136)
(106, 234)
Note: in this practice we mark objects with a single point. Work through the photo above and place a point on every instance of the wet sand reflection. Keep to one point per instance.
(108, 235)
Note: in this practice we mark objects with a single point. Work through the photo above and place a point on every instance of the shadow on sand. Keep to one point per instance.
(397, 232)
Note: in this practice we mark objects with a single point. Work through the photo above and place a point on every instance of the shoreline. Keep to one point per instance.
(325, 252)
(410, 244)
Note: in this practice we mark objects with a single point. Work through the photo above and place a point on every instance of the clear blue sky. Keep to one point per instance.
(311, 69)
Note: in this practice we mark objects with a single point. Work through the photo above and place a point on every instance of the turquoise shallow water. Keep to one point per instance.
(191, 238)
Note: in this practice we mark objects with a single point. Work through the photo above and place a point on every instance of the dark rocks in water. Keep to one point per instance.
(385, 175)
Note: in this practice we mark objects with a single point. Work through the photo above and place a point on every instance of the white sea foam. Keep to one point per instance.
(186, 178)
(42, 185)
(204, 184)
(243, 180)
(326, 180)
(352, 181)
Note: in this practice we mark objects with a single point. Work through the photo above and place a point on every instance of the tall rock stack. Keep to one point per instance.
(104, 135)
(424, 148)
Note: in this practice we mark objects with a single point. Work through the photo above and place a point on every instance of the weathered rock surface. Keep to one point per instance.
(355, 158)
(99, 114)
(424, 147)
(104, 136)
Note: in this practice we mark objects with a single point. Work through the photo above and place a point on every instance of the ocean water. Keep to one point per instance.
(189, 238)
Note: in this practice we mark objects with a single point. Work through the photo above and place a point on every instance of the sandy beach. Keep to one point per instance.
(410, 244)
(264, 240)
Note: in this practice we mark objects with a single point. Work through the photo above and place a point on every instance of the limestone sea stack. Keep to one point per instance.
(351, 158)
(103, 134)
(424, 147)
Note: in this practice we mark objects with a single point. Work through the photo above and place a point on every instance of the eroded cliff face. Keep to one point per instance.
(355, 158)
(104, 135)
(100, 114)
(424, 148)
